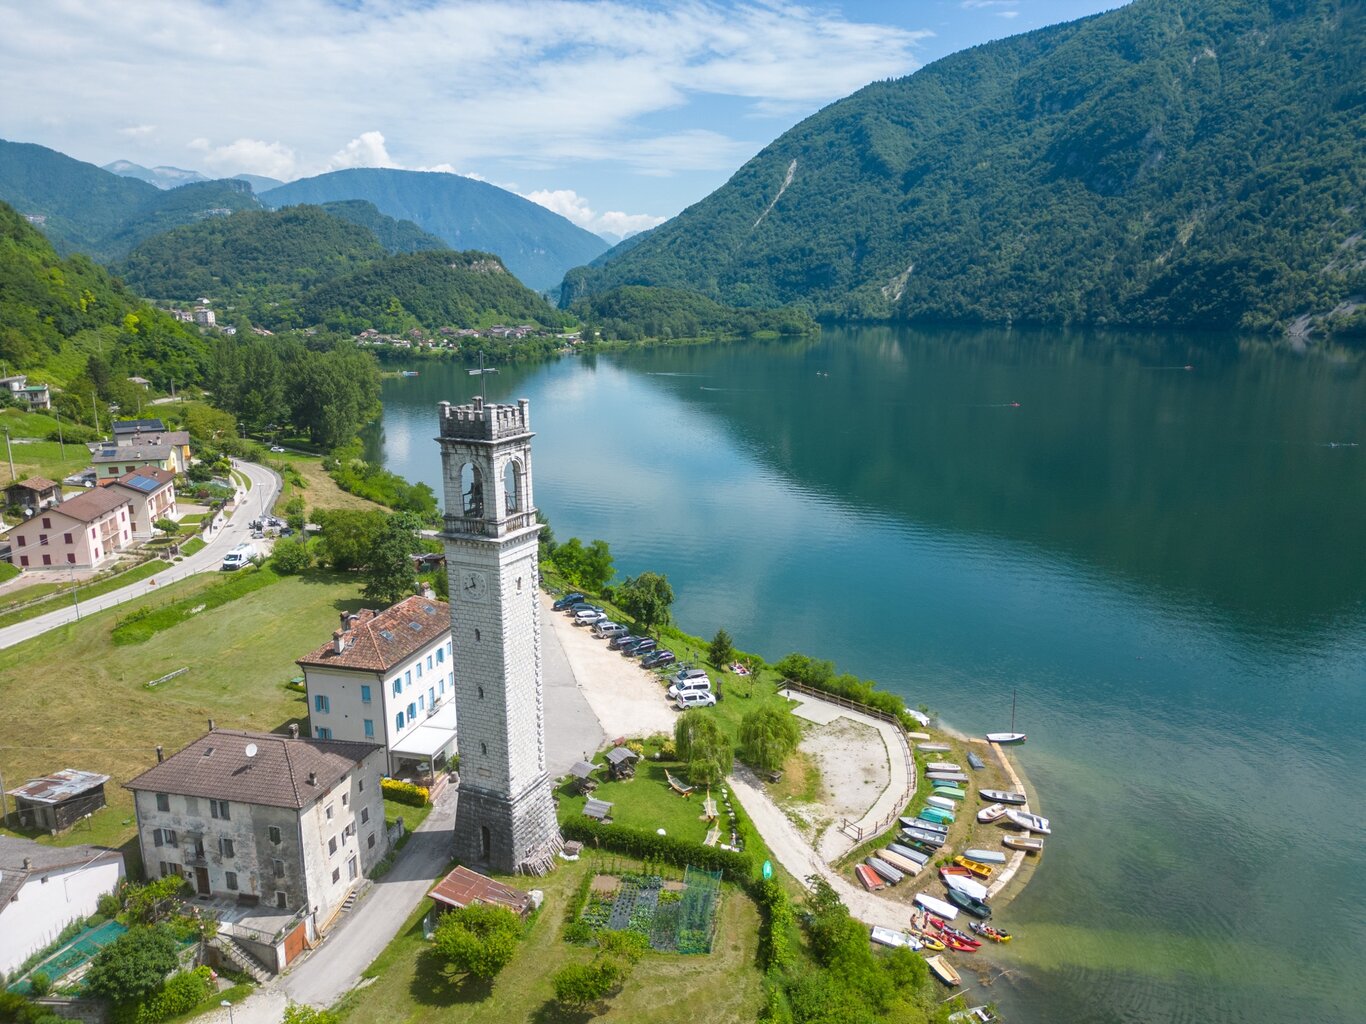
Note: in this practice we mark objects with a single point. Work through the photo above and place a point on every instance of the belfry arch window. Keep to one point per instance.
(471, 490)
(512, 486)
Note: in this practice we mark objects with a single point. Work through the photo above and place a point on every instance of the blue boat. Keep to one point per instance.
(931, 839)
(975, 762)
(919, 856)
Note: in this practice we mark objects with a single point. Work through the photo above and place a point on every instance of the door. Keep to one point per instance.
(201, 880)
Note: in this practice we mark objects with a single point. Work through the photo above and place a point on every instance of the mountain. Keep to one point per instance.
(161, 177)
(258, 182)
(395, 235)
(1192, 163)
(535, 244)
(428, 289)
(81, 207)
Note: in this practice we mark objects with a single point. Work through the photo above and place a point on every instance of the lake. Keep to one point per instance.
(1158, 542)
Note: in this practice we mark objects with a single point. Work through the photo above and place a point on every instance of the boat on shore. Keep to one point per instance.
(889, 874)
(936, 906)
(1004, 796)
(988, 932)
(933, 748)
(995, 812)
(942, 766)
(974, 1015)
(979, 869)
(952, 777)
(942, 802)
(943, 970)
(871, 880)
(970, 886)
(921, 823)
(1030, 822)
(919, 856)
(985, 856)
(893, 938)
(937, 815)
(975, 762)
(1005, 738)
(972, 905)
(952, 792)
(1030, 844)
(905, 865)
(931, 839)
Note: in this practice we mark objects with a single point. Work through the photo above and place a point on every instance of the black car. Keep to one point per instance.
(645, 646)
(658, 659)
(619, 642)
(569, 599)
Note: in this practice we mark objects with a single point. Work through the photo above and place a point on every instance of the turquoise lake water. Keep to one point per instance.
(1167, 564)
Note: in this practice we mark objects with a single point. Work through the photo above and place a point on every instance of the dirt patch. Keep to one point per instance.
(606, 884)
(852, 761)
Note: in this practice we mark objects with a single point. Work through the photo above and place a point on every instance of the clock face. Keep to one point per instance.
(473, 585)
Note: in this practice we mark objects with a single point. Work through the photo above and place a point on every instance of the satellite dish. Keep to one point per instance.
(251, 750)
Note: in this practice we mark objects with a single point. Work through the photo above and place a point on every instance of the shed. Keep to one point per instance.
(34, 493)
(57, 801)
(462, 887)
(583, 773)
(598, 810)
(621, 762)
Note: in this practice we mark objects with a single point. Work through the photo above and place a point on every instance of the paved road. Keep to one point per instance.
(265, 485)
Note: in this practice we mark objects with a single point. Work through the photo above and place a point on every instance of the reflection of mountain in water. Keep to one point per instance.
(1215, 482)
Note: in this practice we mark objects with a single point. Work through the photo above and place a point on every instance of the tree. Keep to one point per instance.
(389, 573)
(301, 1013)
(296, 512)
(291, 556)
(703, 747)
(134, 965)
(166, 526)
(768, 736)
(597, 565)
(646, 598)
(478, 940)
(722, 650)
(348, 534)
(206, 423)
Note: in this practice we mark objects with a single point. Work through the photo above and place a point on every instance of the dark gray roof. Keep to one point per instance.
(277, 773)
(13, 853)
(128, 426)
(597, 809)
(619, 754)
(582, 769)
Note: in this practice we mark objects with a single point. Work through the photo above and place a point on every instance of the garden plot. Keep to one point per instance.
(676, 917)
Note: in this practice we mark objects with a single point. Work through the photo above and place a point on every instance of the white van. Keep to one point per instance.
(238, 557)
(694, 699)
(693, 684)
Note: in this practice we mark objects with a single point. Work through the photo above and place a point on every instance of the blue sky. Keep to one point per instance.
(615, 113)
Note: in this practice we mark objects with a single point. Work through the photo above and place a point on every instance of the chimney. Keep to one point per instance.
(161, 756)
(28, 863)
(212, 727)
(312, 778)
(294, 730)
(344, 616)
(339, 640)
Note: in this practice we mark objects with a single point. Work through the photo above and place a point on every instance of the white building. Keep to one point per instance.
(265, 820)
(387, 677)
(44, 888)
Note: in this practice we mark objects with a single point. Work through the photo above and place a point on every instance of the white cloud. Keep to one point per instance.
(574, 207)
(1000, 8)
(134, 131)
(246, 156)
(365, 150)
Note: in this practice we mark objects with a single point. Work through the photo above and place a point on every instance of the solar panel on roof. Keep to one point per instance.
(416, 627)
(143, 483)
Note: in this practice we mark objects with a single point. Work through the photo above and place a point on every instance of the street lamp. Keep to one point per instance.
(229, 1006)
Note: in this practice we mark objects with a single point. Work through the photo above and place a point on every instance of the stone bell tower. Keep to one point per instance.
(505, 817)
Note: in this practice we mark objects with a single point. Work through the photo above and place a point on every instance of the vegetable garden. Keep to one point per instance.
(675, 917)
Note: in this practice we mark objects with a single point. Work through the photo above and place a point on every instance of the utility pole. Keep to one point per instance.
(96, 410)
(4, 806)
(74, 599)
(60, 439)
(10, 452)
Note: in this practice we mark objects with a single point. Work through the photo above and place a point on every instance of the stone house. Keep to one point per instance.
(34, 493)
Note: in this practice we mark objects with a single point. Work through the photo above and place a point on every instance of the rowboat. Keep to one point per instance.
(951, 777)
(943, 766)
(903, 864)
(932, 748)
(889, 874)
(936, 815)
(954, 869)
(943, 802)
(1030, 844)
(993, 813)
(974, 1015)
(972, 905)
(1005, 737)
(1003, 796)
(931, 839)
(893, 938)
(871, 880)
(1032, 822)
(976, 867)
(988, 932)
(985, 856)
(924, 825)
(952, 792)
(919, 856)
(975, 762)
(936, 906)
(971, 886)
(943, 970)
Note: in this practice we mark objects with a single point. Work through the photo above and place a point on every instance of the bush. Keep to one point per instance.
(646, 845)
(291, 557)
(581, 985)
(40, 982)
(133, 966)
(109, 905)
(181, 994)
(477, 940)
(405, 793)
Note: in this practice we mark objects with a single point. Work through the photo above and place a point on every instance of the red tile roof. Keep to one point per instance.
(378, 641)
(35, 483)
(277, 773)
(87, 507)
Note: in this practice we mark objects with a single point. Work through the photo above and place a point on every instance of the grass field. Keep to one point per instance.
(721, 987)
(63, 591)
(321, 491)
(44, 458)
(646, 802)
(240, 657)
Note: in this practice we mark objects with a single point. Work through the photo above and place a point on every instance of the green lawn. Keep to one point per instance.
(412, 816)
(44, 458)
(721, 987)
(240, 657)
(8, 571)
(646, 801)
(192, 546)
(62, 592)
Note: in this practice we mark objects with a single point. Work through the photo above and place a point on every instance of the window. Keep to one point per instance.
(370, 841)
(364, 815)
(23, 559)
(421, 702)
(47, 559)
(351, 870)
(431, 695)
(70, 558)
(336, 874)
(163, 802)
(369, 724)
(230, 880)
(360, 784)
(398, 720)
(47, 523)
(281, 900)
(279, 868)
(219, 809)
(365, 694)
(191, 805)
(274, 833)
(408, 678)
(66, 538)
(429, 662)
(21, 539)
(322, 732)
(346, 799)
(412, 712)
(332, 846)
(419, 670)
(226, 848)
(443, 687)
(441, 655)
(322, 703)
(164, 837)
(328, 812)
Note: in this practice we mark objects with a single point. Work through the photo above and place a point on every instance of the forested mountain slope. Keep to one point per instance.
(534, 243)
(1180, 162)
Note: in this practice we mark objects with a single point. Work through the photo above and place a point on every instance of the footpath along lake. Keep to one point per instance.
(1167, 564)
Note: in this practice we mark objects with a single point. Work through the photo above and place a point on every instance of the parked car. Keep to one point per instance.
(589, 617)
(621, 641)
(687, 672)
(658, 659)
(608, 630)
(239, 556)
(695, 699)
(695, 684)
(644, 647)
(571, 598)
(276, 448)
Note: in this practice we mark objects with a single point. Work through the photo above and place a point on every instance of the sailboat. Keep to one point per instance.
(1008, 737)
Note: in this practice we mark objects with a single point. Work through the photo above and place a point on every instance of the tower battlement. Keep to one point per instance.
(482, 421)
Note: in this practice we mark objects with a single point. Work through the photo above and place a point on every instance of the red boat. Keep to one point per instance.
(871, 880)
(958, 945)
(954, 869)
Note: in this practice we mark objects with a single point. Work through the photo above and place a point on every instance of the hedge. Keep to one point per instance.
(405, 793)
(636, 842)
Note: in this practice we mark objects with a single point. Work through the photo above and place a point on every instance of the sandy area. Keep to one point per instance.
(853, 766)
(626, 699)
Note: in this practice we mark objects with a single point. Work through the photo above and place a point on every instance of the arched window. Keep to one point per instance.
(512, 486)
(471, 490)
